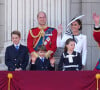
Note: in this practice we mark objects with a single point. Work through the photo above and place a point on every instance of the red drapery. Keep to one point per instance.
(48, 80)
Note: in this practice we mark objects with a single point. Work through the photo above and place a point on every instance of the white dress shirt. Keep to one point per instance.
(17, 45)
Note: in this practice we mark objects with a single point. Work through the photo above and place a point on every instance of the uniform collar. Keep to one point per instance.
(42, 27)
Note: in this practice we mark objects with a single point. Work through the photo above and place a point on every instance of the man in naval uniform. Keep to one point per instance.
(42, 35)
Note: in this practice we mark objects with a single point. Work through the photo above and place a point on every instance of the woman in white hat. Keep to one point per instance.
(80, 39)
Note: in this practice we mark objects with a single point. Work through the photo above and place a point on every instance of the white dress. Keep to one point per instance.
(80, 46)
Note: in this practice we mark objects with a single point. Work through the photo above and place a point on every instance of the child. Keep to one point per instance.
(16, 55)
(70, 59)
(41, 63)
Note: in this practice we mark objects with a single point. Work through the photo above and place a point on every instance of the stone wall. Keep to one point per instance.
(2, 33)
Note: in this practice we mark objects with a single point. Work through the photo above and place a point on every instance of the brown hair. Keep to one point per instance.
(67, 42)
(16, 32)
(41, 48)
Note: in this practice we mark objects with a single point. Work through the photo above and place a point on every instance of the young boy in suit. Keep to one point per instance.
(41, 63)
(16, 55)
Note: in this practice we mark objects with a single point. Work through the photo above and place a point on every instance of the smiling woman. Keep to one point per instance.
(80, 39)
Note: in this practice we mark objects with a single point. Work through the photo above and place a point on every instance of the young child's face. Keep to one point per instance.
(15, 39)
(42, 53)
(71, 46)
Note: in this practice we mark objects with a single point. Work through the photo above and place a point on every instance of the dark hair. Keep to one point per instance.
(16, 32)
(67, 42)
(79, 22)
(41, 48)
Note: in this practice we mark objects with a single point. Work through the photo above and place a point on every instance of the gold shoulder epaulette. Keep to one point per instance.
(34, 35)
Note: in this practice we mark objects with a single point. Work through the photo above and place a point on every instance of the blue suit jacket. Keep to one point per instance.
(42, 66)
(16, 58)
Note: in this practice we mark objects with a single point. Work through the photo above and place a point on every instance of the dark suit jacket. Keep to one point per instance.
(16, 58)
(42, 66)
(77, 60)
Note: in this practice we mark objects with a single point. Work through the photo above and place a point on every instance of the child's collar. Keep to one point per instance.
(17, 44)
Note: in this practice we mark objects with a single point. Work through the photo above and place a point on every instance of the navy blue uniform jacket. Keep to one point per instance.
(16, 58)
(77, 61)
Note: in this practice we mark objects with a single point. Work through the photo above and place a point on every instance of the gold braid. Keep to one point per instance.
(34, 35)
(41, 34)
